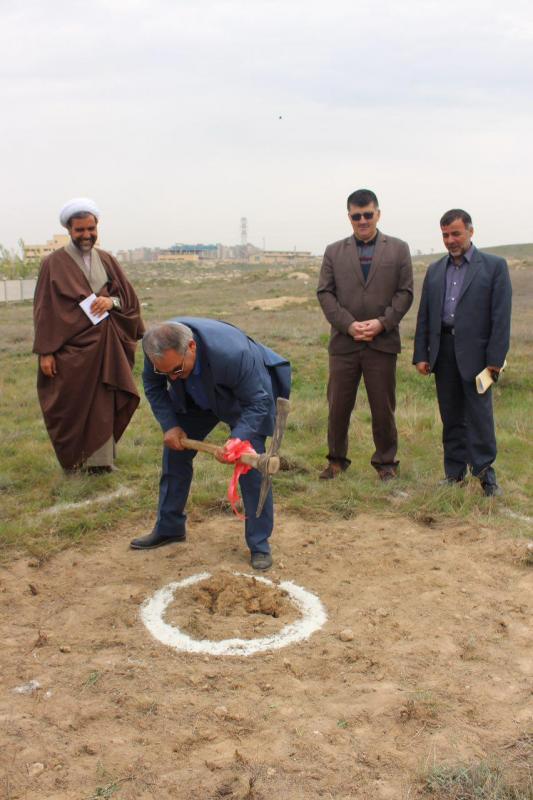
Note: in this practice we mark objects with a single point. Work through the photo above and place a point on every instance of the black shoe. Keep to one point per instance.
(487, 479)
(155, 539)
(492, 489)
(261, 560)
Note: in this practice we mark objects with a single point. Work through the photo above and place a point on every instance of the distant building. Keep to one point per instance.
(189, 252)
(200, 250)
(36, 252)
(168, 257)
(238, 253)
(280, 256)
(212, 253)
(139, 255)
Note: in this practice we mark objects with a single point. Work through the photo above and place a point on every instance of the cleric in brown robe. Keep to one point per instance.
(85, 383)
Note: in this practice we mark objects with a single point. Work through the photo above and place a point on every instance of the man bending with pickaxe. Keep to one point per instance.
(197, 373)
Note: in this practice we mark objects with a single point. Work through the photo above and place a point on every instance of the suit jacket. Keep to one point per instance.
(482, 316)
(345, 297)
(242, 379)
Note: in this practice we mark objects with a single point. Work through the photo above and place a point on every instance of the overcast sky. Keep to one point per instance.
(181, 116)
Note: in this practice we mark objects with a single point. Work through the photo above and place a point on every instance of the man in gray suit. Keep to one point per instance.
(463, 327)
(365, 288)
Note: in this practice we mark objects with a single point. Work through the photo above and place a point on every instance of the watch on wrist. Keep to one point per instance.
(116, 302)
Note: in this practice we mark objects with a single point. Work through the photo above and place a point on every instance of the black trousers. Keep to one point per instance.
(467, 420)
(378, 371)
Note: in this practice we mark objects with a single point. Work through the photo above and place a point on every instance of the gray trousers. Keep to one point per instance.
(103, 457)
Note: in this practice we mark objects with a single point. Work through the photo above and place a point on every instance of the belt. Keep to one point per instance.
(448, 329)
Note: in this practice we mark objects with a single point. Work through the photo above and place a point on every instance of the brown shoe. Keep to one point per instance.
(387, 473)
(333, 469)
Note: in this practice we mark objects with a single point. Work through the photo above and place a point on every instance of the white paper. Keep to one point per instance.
(85, 306)
(484, 380)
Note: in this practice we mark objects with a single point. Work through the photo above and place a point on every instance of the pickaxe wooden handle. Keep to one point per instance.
(256, 460)
(266, 463)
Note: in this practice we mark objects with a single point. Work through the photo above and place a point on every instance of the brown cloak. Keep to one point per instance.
(93, 396)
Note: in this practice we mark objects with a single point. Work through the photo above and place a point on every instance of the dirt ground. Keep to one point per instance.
(438, 670)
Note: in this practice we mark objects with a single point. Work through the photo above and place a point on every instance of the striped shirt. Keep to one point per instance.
(365, 251)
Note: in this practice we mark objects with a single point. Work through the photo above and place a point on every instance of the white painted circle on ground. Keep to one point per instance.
(313, 617)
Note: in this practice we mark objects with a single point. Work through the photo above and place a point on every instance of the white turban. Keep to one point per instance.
(80, 205)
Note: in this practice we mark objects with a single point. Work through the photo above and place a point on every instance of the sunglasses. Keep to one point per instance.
(366, 214)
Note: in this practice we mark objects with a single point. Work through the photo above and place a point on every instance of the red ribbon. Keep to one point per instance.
(233, 450)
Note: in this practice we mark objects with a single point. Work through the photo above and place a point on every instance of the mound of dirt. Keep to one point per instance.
(275, 303)
(228, 605)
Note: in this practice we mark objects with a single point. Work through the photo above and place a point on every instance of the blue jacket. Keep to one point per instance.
(242, 379)
(482, 316)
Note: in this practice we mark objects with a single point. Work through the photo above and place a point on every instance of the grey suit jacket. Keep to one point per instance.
(345, 297)
(482, 316)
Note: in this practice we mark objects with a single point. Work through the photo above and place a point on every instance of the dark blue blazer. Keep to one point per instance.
(242, 379)
(482, 315)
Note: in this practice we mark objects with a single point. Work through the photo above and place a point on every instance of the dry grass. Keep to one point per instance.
(31, 483)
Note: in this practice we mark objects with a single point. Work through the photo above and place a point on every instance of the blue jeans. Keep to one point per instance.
(176, 477)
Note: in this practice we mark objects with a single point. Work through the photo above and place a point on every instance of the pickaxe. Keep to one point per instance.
(267, 463)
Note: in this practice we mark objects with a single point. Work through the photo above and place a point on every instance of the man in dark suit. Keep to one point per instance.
(463, 327)
(365, 288)
(198, 372)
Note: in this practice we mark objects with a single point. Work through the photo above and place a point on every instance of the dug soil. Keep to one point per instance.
(425, 659)
(228, 605)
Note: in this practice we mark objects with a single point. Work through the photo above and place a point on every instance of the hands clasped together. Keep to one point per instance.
(365, 331)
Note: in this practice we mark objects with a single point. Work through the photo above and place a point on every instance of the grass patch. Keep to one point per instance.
(33, 488)
(482, 781)
(422, 706)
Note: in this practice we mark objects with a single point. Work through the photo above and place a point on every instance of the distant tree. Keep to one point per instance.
(13, 266)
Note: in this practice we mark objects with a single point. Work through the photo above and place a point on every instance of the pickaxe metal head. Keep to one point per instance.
(268, 462)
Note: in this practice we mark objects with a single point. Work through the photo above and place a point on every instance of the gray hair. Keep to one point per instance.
(163, 336)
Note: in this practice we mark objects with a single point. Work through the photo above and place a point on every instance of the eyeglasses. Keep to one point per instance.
(174, 373)
(366, 214)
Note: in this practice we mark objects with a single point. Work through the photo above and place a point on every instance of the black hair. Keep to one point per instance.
(453, 214)
(362, 197)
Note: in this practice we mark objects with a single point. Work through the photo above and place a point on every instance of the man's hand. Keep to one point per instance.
(221, 452)
(372, 328)
(48, 365)
(358, 332)
(494, 373)
(101, 305)
(365, 331)
(423, 367)
(173, 438)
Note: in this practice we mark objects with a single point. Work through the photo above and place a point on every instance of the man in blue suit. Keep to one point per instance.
(463, 327)
(197, 373)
